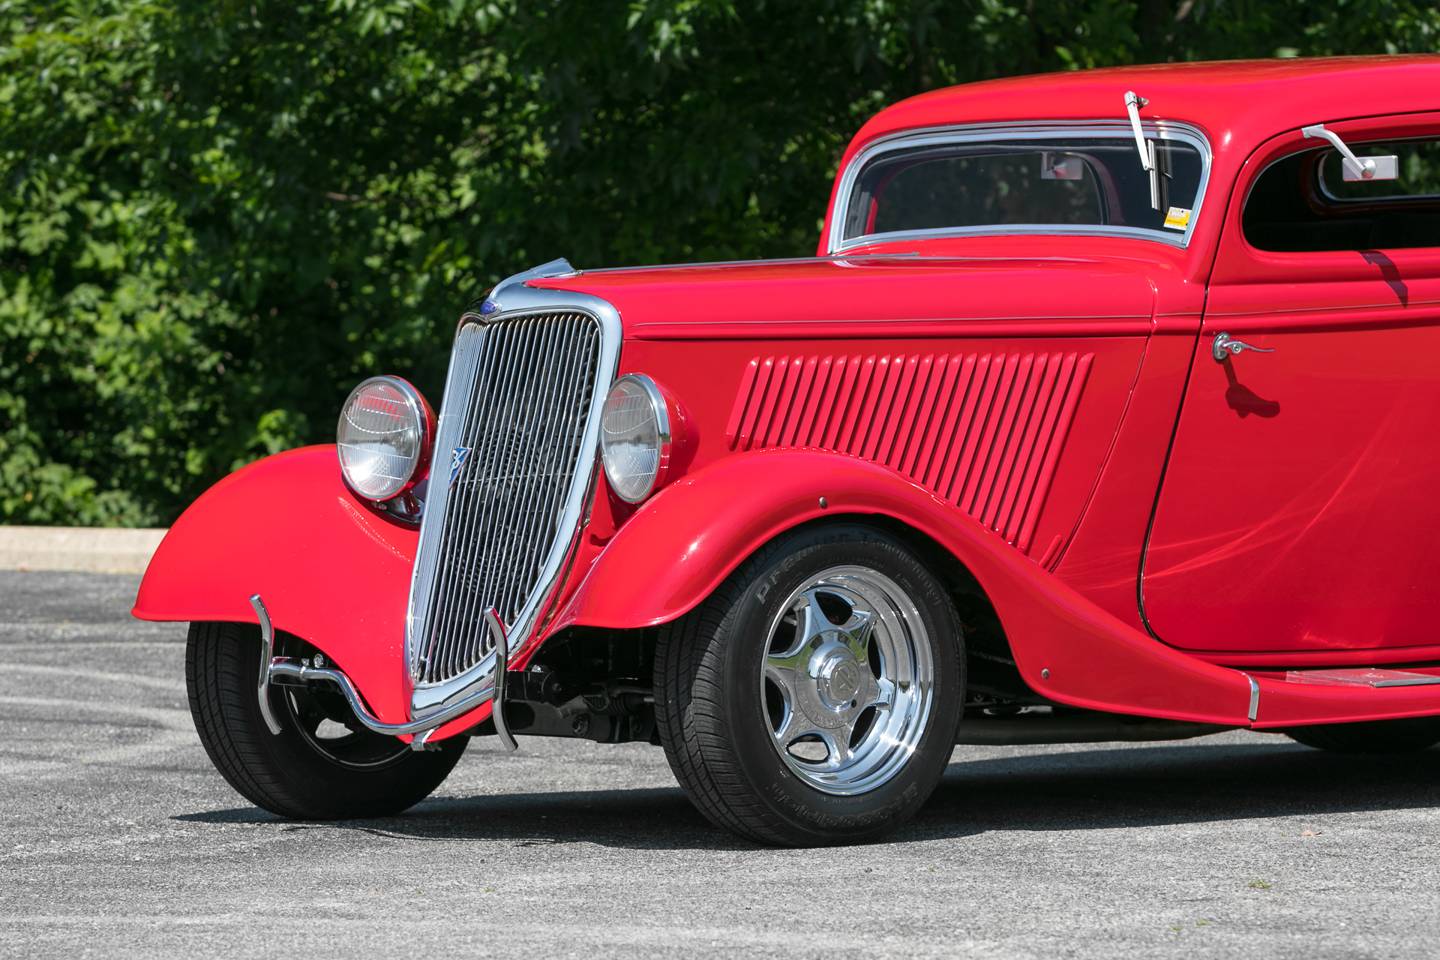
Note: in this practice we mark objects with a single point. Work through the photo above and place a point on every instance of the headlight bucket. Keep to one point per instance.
(383, 438)
(635, 437)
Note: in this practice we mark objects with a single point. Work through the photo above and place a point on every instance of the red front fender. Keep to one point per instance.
(677, 549)
(330, 569)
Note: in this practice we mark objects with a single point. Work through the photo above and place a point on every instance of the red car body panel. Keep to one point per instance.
(657, 564)
(1160, 535)
(1069, 288)
(1299, 488)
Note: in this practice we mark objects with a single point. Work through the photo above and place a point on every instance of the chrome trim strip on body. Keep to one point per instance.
(1030, 130)
(1254, 698)
(843, 259)
(513, 301)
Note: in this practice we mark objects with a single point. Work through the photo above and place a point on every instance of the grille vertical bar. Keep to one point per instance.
(513, 443)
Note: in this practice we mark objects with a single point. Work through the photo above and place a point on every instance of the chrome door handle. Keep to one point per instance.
(1225, 344)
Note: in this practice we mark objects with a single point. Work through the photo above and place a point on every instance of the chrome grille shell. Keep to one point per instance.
(523, 399)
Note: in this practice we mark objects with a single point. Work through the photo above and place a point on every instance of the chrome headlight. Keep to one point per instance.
(383, 437)
(634, 437)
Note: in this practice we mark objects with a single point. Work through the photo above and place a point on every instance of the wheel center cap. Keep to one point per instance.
(838, 679)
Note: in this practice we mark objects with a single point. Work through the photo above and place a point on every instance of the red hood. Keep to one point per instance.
(863, 296)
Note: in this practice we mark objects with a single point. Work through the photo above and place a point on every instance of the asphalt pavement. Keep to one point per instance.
(118, 839)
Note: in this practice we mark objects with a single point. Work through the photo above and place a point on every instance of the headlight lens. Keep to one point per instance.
(383, 437)
(634, 437)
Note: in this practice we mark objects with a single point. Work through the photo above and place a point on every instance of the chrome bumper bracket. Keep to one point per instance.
(267, 658)
(288, 670)
(502, 654)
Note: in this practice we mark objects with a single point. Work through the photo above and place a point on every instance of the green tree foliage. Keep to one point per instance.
(217, 216)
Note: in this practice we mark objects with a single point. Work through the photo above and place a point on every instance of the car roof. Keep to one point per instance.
(1237, 103)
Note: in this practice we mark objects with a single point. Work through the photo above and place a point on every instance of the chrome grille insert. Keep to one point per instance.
(514, 454)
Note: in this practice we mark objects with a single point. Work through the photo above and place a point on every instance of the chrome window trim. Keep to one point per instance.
(519, 301)
(1040, 130)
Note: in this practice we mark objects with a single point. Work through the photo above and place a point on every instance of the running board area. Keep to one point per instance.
(1034, 725)
(1288, 698)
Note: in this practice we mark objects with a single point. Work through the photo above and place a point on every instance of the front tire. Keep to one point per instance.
(323, 765)
(814, 698)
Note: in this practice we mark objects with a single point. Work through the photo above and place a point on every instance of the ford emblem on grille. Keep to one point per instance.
(458, 456)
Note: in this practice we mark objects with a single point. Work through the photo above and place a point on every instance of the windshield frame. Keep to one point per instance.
(1037, 130)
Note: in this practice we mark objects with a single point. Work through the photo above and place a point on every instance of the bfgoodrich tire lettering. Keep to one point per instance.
(718, 732)
(292, 774)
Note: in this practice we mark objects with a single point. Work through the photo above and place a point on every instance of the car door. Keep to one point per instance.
(1300, 509)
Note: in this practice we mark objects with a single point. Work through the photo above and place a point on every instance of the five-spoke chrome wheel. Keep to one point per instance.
(813, 697)
(847, 680)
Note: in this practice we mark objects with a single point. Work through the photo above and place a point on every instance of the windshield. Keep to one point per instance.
(1091, 183)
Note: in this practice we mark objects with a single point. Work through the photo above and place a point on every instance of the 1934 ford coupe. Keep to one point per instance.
(1106, 410)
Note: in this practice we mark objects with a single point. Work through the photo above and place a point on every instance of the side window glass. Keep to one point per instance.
(1302, 203)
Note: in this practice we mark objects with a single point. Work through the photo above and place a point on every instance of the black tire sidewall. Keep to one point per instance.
(283, 772)
(824, 816)
(327, 785)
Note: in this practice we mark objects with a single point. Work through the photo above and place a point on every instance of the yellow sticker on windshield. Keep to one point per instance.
(1178, 218)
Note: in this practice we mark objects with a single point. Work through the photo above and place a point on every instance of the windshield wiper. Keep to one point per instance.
(1133, 103)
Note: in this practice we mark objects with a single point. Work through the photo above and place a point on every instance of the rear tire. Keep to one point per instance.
(762, 690)
(1382, 736)
(323, 765)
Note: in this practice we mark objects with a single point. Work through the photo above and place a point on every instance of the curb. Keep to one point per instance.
(82, 549)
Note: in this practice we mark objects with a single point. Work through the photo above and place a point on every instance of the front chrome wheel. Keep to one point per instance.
(847, 680)
(813, 698)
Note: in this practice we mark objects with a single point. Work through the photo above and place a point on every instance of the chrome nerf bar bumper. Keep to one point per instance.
(288, 670)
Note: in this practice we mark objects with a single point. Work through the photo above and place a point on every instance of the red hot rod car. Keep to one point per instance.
(1106, 410)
